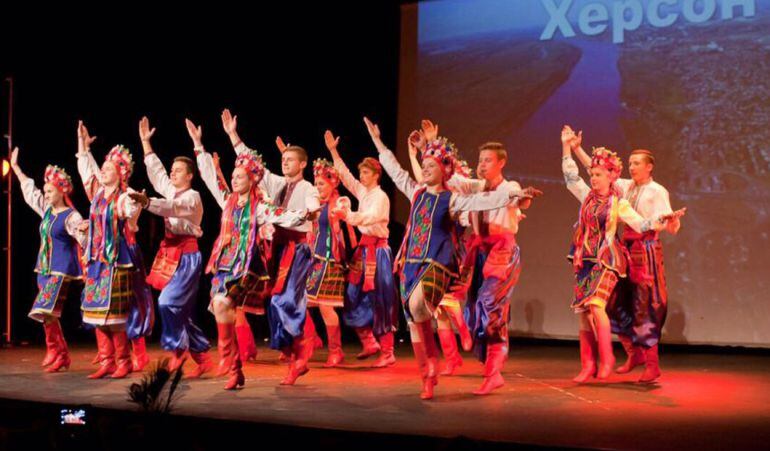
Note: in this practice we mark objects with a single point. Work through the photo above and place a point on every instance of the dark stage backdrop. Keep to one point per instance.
(686, 79)
(293, 71)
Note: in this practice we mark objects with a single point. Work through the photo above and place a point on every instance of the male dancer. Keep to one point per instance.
(178, 264)
(289, 330)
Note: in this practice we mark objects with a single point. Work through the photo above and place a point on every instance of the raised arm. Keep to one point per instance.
(87, 167)
(156, 172)
(574, 183)
(270, 183)
(230, 125)
(206, 165)
(346, 177)
(575, 141)
(400, 177)
(32, 195)
(415, 142)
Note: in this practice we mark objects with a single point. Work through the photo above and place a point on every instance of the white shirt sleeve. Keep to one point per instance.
(465, 185)
(489, 200)
(267, 214)
(33, 196)
(372, 213)
(575, 184)
(627, 214)
(209, 176)
(71, 224)
(348, 180)
(399, 175)
(129, 209)
(89, 173)
(158, 176)
(184, 206)
(313, 199)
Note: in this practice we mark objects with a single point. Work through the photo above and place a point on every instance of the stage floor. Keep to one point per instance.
(704, 400)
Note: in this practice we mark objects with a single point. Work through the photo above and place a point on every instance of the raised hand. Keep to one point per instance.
(330, 141)
(15, 158)
(229, 122)
(374, 130)
(417, 140)
(577, 141)
(84, 138)
(280, 144)
(567, 136)
(429, 130)
(196, 133)
(145, 132)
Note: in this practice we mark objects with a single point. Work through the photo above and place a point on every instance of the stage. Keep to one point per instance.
(704, 400)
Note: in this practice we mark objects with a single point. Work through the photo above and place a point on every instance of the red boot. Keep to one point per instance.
(456, 316)
(122, 354)
(651, 365)
(140, 358)
(235, 372)
(449, 348)
(225, 338)
(371, 347)
(204, 362)
(106, 352)
(62, 360)
(635, 355)
(606, 356)
(177, 359)
(309, 331)
(51, 349)
(336, 356)
(387, 357)
(426, 353)
(247, 347)
(587, 357)
(493, 378)
(302, 350)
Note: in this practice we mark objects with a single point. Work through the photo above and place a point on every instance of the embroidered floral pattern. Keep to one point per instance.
(315, 277)
(46, 297)
(97, 290)
(421, 226)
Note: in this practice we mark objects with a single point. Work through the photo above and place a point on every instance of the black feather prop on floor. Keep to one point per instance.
(156, 391)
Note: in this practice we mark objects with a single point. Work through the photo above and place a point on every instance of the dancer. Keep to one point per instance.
(116, 299)
(638, 310)
(326, 282)
(372, 295)
(58, 260)
(597, 255)
(426, 262)
(450, 310)
(292, 256)
(178, 264)
(235, 263)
